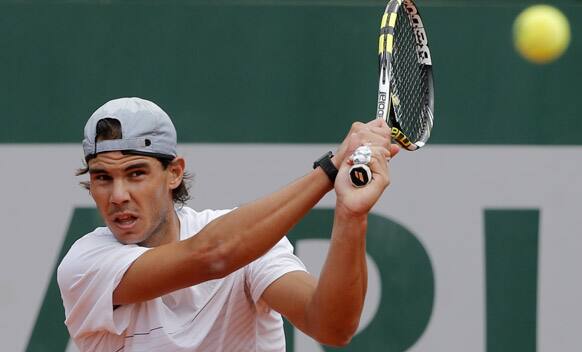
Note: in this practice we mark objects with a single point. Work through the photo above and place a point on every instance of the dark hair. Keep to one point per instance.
(108, 129)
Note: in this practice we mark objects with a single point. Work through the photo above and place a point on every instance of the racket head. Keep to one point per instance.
(405, 87)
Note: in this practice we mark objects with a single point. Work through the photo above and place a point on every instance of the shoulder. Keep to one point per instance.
(91, 252)
(97, 240)
(192, 221)
(274, 264)
(87, 277)
(202, 215)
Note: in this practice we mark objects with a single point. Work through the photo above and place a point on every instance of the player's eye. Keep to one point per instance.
(102, 177)
(136, 173)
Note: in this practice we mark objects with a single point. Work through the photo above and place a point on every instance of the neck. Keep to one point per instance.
(168, 231)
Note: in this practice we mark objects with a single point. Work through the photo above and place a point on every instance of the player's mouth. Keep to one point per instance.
(125, 221)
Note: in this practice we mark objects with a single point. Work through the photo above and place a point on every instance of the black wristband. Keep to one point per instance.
(326, 165)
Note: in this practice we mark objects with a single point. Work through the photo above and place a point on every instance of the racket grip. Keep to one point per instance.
(360, 175)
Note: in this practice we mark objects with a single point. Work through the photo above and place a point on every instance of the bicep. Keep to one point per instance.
(290, 295)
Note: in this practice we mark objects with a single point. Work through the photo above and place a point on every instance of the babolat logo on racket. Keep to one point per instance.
(400, 137)
(381, 111)
(421, 38)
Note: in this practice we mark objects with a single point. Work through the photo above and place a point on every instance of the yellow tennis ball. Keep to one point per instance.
(541, 33)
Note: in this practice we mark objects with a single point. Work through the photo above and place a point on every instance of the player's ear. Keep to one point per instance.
(176, 171)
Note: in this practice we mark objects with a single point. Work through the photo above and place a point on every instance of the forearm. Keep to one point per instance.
(246, 233)
(335, 309)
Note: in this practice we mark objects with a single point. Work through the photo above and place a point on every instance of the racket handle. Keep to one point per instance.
(360, 175)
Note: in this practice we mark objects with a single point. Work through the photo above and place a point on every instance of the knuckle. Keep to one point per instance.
(356, 126)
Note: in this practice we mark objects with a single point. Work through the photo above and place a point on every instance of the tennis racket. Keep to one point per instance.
(405, 88)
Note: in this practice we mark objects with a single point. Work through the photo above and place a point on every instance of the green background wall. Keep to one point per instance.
(273, 71)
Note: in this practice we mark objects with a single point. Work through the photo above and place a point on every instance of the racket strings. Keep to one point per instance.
(409, 81)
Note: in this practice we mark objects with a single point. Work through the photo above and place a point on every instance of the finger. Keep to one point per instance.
(354, 142)
(358, 126)
(379, 153)
(377, 123)
(379, 165)
(394, 149)
(344, 149)
(383, 132)
(383, 126)
(378, 137)
(361, 130)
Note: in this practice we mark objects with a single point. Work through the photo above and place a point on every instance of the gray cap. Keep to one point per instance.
(145, 128)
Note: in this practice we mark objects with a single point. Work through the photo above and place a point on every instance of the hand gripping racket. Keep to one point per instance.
(405, 88)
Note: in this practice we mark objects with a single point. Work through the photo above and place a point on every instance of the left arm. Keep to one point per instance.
(329, 309)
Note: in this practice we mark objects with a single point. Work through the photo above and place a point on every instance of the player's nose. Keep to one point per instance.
(119, 194)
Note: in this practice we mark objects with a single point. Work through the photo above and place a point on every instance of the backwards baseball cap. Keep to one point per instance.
(145, 129)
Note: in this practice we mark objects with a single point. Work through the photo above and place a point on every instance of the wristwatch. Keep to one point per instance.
(326, 165)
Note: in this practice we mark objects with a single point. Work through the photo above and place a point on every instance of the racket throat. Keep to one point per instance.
(386, 109)
(384, 106)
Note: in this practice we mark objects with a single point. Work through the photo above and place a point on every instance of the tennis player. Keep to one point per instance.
(164, 277)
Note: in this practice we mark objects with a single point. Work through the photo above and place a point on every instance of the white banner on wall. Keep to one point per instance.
(439, 193)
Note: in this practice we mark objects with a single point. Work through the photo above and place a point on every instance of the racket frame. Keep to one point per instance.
(360, 174)
(384, 109)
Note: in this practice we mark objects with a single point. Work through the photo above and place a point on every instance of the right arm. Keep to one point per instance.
(224, 245)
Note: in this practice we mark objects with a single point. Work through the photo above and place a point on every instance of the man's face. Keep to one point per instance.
(134, 196)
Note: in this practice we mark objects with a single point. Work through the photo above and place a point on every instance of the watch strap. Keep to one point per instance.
(327, 166)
